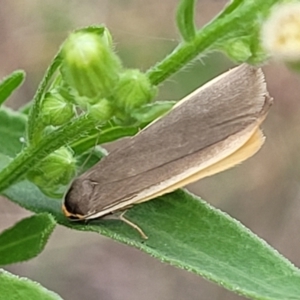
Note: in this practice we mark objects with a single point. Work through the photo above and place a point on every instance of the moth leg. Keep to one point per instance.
(131, 224)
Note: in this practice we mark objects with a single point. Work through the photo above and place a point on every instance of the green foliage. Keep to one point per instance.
(26, 239)
(186, 232)
(13, 287)
(183, 230)
(10, 83)
(12, 131)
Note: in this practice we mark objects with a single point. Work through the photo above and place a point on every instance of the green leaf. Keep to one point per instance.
(26, 239)
(12, 131)
(185, 19)
(10, 83)
(13, 287)
(186, 232)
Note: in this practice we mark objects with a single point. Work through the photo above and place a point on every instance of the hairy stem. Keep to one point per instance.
(31, 155)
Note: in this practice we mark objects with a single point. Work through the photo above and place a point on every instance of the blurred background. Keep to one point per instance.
(263, 193)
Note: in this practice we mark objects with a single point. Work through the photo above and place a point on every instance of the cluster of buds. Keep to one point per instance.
(57, 108)
(91, 81)
(54, 172)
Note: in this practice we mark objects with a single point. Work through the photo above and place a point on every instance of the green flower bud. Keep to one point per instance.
(107, 38)
(100, 31)
(101, 111)
(56, 109)
(133, 90)
(246, 48)
(238, 49)
(57, 169)
(89, 64)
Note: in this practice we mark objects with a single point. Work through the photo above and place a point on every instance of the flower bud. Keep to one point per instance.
(89, 64)
(133, 90)
(99, 30)
(101, 111)
(238, 49)
(107, 38)
(57, 169)
(246, 48)
(56, 110)
(281, 32)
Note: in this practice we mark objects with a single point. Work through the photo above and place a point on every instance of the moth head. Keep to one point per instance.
(75, 205)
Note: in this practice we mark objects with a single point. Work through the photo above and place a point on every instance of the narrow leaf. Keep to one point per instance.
(186, 232)
(12, 131)
(10, 83)
(13, 287)
(185, 19)
(26, 239)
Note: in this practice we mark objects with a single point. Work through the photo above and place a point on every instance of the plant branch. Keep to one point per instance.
(31, 155)
(35, 108)
(233, 21)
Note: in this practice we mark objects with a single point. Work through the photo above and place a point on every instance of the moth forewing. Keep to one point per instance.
(210, 130)
(246, 83)
(250, 77)
(246, 151)
(233, 151)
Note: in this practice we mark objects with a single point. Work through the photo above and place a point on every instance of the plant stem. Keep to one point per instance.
(184, 53)
(185, 19)
(35, 108)
(233, 21)
(31, 155)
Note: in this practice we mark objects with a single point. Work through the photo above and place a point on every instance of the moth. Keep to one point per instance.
(212, 129)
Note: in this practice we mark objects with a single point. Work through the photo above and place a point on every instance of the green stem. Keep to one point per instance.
(185, 19)
(232, 22)
(31, 155)
(184, 53)
(35, 109)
